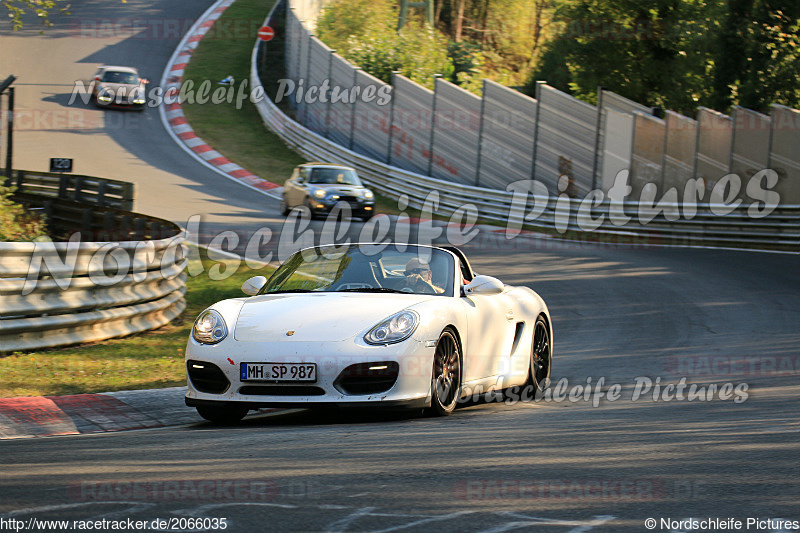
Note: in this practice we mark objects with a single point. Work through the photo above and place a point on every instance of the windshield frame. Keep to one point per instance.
(128, 75)
(370, 269)
(350, 176)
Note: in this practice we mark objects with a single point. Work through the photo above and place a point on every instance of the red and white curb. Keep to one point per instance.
(172, 114)
(41, 416)
(77, 414)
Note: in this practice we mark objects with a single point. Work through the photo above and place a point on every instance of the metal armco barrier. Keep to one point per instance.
(60, 293)
(710, 224)
(85, 189)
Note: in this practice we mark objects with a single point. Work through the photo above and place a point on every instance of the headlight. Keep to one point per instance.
(209, 328)
(368, 194)
(139, 100)
(104, 97)
(396, 328)
(319, 193)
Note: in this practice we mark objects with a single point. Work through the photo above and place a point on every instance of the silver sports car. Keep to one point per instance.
(119, 87)
(321, 186)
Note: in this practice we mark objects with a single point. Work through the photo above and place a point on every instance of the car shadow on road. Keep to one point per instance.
(318, 417)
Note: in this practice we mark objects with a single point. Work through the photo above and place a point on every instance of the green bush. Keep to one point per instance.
(345, 21)
(364, 32)
(17, 224)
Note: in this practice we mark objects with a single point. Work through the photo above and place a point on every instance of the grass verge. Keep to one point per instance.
(238, 134)
(148, 360)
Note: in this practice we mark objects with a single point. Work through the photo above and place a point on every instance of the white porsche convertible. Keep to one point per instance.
(394, 325)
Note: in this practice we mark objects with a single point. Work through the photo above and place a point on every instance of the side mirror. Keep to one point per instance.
(483, 285)
(145, 81)
(253, 285)
(97, 78)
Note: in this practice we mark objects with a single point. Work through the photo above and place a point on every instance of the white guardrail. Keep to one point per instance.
(707, 226)
(82, 290)
(54, 294)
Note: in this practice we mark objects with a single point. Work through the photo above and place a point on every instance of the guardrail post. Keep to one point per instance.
(598, 128)
(299, 52)
(353, 112)
(126, 202)
(86, 220)
(108, 221)
(539, 85)
(662, 189)
(76, 193)
(125, 227)
(307, 78)
(140, 228)
(328, 103)
(48, 210)
(10, 133)
(480, 136)
(391, 117)
(63, 182)
(101, 194)
(436, 78)
(734, 117)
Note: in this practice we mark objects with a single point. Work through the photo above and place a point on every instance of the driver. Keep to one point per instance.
(418, 277)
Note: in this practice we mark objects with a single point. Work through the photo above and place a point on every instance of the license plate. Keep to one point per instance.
(305, 372)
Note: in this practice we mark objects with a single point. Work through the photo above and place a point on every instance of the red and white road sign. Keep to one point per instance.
(266, 33)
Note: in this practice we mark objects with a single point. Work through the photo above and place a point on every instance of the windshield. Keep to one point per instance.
(374, 268)
(331, 176)
(114, 76)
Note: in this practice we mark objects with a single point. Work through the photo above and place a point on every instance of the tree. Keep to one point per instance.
(677, 54)
(654, 52)
(42, 8)
(758, 52)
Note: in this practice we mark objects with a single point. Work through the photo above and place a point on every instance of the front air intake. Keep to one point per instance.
(367, 378)
(207, 377)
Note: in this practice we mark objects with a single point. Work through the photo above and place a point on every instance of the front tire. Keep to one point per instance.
(222, 414)
(311, 209)
(541, 357)
(284, 207)
(446, 380)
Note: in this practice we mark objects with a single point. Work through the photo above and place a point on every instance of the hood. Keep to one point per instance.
(317, 317)
(127, 89)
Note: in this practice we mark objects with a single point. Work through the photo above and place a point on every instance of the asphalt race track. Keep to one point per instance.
(116, 144)
(626, 315)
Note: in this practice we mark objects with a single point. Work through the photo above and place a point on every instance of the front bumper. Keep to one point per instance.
(334, 361)
(124, 103)
(357, 208)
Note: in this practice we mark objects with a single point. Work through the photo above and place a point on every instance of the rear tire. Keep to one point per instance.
(446, 378)
(223, 414)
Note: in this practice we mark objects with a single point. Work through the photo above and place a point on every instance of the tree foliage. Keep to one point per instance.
(676, 54)
(653, 52)
(759, 53)
(17, 9)
(364, 32)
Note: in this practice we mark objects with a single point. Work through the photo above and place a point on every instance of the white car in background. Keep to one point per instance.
(370, 325)
(119, 87)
